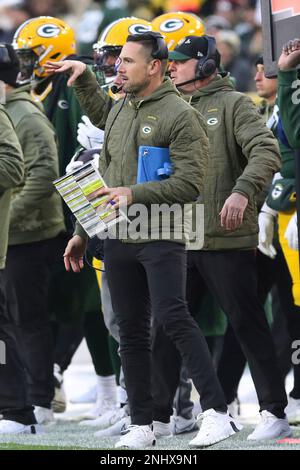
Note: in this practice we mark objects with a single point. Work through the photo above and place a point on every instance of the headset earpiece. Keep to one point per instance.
(207, 65)
(161, 50)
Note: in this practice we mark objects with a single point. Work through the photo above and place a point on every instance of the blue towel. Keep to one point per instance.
(153, 164)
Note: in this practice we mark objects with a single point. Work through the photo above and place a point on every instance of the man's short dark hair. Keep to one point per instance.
(152, 41)
(155, 46)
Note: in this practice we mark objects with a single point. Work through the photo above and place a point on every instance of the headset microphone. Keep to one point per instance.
(186, 83)
(115, 89)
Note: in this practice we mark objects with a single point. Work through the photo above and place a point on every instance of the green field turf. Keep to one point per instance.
(69, 436)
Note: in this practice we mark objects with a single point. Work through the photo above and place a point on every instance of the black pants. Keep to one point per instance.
(27, 275)
(152, 276)
(14, 400)
(285, 328)
(232, 277)
(75, 305)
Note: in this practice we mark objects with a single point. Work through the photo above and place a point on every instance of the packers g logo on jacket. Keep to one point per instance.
(212, 121)
(146, 129)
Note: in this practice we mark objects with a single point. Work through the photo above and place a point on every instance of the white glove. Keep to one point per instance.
(96, 157)
(291, 233)
(266, 222)
(88, 135)
(73, 164)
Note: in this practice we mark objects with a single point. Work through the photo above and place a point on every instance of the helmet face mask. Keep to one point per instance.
(105, 58)
(28, 61)
(108, 47)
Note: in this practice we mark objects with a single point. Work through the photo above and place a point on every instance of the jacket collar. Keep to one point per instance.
(222, 82)
(164, 89)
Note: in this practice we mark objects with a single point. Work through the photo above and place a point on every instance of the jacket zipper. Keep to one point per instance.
(126, 143)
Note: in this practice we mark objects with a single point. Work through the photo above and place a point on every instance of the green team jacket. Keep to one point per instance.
(244, 155)
(65, 117)
(36, 208)
(289, 105)
(169, 121)
(11, 174)
(63, 110)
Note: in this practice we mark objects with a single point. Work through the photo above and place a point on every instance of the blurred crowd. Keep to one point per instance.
(236, 24)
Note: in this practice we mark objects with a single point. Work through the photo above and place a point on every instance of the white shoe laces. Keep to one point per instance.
(208, 422)
(265, 419)
(135, 427)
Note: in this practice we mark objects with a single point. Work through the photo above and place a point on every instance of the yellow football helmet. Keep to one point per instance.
(176, 25)
(113, 38)
(40, 39)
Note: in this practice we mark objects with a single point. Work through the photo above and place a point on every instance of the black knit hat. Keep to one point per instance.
(9, 64)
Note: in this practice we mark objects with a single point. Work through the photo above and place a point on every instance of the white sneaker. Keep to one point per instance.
(292, 411)
(180, 425)
(215, 427)
(137, 437)
(13, 427)
(59, 402)
(101, 407)
(43, 415)
(116, 429)
(107, 419)
(270, 427)
(234, 408)
(162, 429)
(90, 396)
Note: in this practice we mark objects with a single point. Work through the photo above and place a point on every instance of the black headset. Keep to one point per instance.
(160, 49)
(207, 64)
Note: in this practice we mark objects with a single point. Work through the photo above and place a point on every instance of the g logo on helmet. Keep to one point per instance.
(171, 25)
(48, 30)
(139, 28)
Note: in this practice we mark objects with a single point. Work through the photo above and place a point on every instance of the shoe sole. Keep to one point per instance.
(100, 426)
(233, 432)
(31, 429)
(114, 430)
(163, 436)
(187, 430)
(137, 448)
(282, 436)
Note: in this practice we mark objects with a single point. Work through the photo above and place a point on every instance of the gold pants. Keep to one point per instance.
(291, 256)
(97, 263)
